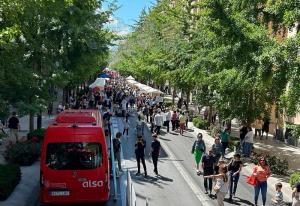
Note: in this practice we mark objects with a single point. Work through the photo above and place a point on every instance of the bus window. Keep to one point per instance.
(74, 155)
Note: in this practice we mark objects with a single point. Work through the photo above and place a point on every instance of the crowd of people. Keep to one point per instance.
(220, 179)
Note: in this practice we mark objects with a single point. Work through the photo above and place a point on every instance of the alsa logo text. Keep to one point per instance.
(91, 183)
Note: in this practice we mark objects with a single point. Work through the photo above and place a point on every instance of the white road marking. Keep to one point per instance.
(203, 198)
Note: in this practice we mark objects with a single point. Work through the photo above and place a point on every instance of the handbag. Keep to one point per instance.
(251, 180)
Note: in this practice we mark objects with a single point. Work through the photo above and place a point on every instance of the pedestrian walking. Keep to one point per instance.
(14, 127)
(155, 152)
(221, 185)
(234, 169)
(261, 172)
(277, 200)
(198, 150)
(50, 109)
(296, 195)
(168, 119)
(243, 132)
(174, 119)
(124, 107)
(186, 114)
(158, 121)
(224, 140)
(217, 148)
(258, 127)
(140, 146)
(265, 127)
(181, 123)
(126, 126)
(248, 143)
(208, 162)
(117, 149)
(140, 126)
(146, 112)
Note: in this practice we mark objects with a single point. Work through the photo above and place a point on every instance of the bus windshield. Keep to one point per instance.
(74, 155)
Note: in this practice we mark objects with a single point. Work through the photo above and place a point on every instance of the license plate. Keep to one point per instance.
(60, 193)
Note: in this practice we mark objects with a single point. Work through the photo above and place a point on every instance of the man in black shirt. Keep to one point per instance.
(208, 162)
(14, 127)
(234, 168)
(155, 150)
(243, 132)
(117, 149)
(140, 146)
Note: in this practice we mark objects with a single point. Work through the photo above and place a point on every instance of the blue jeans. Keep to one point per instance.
(261, 186)
(247, 147)
(233, 183)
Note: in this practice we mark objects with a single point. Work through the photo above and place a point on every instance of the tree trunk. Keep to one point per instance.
(31, 121)
(39, 120)
(174, 95)
(187, 100)
(210, 114)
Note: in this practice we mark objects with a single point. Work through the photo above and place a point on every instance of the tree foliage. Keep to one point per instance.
(47, 43)
(235, 52)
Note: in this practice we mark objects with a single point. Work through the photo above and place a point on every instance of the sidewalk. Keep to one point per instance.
(26, 192)
(247, 169)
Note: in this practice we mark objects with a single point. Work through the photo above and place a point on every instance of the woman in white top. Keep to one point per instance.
(126, 126)
(248, 143)
(221, 186)
(296, 195)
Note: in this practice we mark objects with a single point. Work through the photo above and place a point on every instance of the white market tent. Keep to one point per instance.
(142, 87)
(130, 78)
(99, 82)
(132, 81)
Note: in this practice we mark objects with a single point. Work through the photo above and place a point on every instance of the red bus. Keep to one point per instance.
(74, 160)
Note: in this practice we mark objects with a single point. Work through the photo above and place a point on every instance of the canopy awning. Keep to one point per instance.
(130, 78)
(99, 82)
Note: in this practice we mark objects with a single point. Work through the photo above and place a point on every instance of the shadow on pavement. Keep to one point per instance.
(163, 178)
(165, 139)
(238, 200)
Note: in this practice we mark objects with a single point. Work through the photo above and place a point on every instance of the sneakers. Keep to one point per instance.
(206, 192)
(138, 173)
(146, 175)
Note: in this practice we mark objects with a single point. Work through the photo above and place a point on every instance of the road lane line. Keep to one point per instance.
(203, 198)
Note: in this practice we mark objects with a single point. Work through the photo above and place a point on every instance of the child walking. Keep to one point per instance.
(277, 200)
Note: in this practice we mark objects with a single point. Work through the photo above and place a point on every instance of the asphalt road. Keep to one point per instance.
(178, 184)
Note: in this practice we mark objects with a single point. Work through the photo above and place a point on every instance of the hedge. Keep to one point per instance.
(200, 123)
(23, 153)
(276, 164)
(10, 176)
(38, 133)
(294, 179)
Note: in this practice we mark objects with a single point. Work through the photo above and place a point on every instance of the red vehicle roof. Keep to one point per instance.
(79, 116)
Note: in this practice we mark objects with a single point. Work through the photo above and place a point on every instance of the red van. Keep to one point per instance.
(74, 159)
